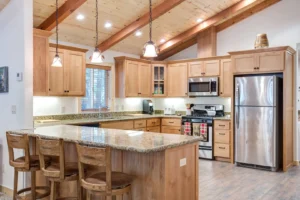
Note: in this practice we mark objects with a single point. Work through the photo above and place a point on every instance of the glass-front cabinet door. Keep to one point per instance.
(159, 75)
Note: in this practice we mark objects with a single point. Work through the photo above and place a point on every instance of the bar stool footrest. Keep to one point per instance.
(45, 193)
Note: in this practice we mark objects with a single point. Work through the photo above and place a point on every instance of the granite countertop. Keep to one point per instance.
(39, 123)
(137, 141)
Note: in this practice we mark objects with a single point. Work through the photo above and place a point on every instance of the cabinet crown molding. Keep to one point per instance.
(283, 48)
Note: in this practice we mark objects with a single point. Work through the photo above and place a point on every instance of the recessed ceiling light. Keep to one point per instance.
(199, 20)
(138, 33)
(80, 17)
(162, 40)
(107, 25)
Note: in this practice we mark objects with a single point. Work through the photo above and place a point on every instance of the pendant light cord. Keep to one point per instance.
(150, 19)
(56, 27)
(96, 24)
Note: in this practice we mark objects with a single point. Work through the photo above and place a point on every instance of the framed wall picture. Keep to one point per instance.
(3, 79)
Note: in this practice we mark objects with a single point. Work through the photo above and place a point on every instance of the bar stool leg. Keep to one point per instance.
(79, 191)
(88, 195)
(129, 195)
(33, 185)
(15, 184)
(53, 191)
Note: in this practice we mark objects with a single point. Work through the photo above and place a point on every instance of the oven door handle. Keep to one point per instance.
(210, 86)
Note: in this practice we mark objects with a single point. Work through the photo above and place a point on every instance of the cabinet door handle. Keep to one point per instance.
(171, 122)
(221, 147)
(221, 133)
(140, 124)
(222, 125)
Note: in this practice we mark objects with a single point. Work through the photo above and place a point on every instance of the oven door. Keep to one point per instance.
(203, 86)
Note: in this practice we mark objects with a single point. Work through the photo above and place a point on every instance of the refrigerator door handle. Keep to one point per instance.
(238, 106)
(210, 86)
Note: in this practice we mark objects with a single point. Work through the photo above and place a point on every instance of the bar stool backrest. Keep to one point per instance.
(18, 142)
(53, 148)
(93, 156)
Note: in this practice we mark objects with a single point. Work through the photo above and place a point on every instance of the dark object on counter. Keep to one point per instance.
(147, 107)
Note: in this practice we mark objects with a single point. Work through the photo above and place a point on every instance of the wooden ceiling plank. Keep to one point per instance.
(257, 8)
(222, 16)
(140, 22)
(63, 12)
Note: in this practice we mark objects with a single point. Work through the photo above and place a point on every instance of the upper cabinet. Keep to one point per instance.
(177, 80)
(68, 80)
(159, 80)
(204, 68)
(40, 62)
(257, 62)
(226, 78)
(132, 78)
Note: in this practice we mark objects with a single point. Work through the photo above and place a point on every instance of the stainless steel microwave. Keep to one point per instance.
(206, 86)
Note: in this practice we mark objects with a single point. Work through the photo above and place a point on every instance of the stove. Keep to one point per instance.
(200, 123)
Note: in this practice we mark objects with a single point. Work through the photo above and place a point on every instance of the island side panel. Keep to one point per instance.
(149, 169)
(181, 175)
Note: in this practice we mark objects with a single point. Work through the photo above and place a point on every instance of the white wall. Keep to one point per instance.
(16, 24)
(187, 53)
(280, 22)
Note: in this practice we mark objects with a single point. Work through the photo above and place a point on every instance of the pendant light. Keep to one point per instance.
(56, 60)
(150, 49)
(97, 57)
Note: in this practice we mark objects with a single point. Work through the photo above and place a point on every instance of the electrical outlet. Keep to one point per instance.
(63, 109)
(182, 162)
(13, 109)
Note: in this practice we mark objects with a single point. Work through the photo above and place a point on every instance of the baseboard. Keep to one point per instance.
(6, 191)
(296, 163)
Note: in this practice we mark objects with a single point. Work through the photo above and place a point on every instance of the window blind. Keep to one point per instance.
(97, 89)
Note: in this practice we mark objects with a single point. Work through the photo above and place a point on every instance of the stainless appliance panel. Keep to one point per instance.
(255, 91)
(203, 86)
(205, 153)
(256, 136)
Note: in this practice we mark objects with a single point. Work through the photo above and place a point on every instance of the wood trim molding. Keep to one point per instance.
(69, 48)
(283, 48)
(6, 191)
(132, 59)
(41, 33)
(159, 10)
(214, 20)
(63, 12)
(93, 66)
(257, 8)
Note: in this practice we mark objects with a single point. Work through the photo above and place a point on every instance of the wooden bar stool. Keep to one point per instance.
(58, 170)
(107, 183)
(26, 163)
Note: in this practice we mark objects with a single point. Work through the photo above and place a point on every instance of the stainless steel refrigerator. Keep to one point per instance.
(257, 121)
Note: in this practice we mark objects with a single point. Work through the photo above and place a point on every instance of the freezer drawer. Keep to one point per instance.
(256, 136)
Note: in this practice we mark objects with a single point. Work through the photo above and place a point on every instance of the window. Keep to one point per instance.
(97, 84)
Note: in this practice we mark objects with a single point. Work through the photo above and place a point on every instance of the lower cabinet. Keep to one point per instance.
(155, 129)
(222, 140)
(124, 125)
(171, 125)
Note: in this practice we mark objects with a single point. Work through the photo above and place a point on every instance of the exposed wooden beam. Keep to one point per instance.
(257, 8)
(63, 12)
(218, 18)
(139, 23)
(177, 49)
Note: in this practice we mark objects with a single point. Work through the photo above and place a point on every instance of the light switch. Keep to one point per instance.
(19, 76)
(14, 109)
(182, 162)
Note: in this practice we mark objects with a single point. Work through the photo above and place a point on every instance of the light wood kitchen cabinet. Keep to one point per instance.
(171, 130)
(123, 125)
(177, 80)
(222, 140)
(159, 80)
(132, 77)
(204, 68)
(226, 78)
(155, 129)
(171, 122)
(40, 62)
(171, 125)
(140, 123)
(259, 62)
(153, 122)
(68, 80)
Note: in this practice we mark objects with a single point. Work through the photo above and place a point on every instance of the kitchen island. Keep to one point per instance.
(165, 165)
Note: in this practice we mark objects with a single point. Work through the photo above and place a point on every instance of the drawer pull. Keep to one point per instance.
(141, 124)
(222, 148)
(222, 134)
(221, 125)
(153, 122)
(171, 122)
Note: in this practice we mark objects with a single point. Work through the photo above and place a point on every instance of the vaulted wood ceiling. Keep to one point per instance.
(3, 3)
(121, 13)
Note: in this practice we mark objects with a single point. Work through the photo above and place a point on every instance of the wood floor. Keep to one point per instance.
(222, 181)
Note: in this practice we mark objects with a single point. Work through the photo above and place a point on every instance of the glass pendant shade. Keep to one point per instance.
(56, 61)
(150, 50)
(97, 57)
